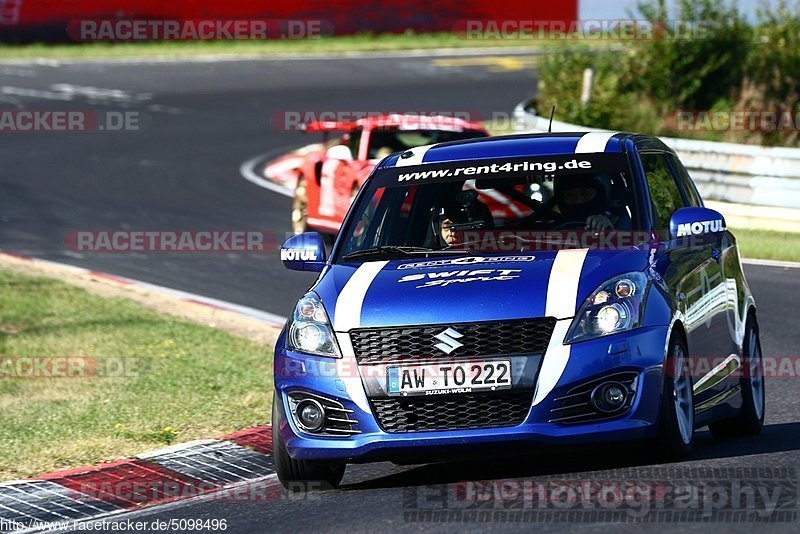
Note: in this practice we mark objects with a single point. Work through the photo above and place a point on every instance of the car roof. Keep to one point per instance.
(523, 145)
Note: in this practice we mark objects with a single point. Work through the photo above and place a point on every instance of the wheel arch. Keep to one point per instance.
(676, 327)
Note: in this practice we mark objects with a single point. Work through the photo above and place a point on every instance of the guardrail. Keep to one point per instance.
(726, 172)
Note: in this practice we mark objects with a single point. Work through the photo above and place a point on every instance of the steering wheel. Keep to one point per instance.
(574, 223)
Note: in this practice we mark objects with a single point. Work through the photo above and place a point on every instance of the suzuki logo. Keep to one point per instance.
(448, 341)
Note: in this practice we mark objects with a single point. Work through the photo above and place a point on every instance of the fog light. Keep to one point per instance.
(609, 397)
(310, 415)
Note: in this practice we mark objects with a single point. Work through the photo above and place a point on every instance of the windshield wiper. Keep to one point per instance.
(401, 251)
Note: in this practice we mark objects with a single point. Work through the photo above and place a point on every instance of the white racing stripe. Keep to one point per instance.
(594, 142)
(554, 363)
(348, 316)
(562, 289)
(347, 313)
(418, 155)
(562, 295)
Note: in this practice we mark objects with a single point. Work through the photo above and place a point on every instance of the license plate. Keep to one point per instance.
(440, 378)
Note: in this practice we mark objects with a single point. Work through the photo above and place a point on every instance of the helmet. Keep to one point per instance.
(574, 205)
(465, 208)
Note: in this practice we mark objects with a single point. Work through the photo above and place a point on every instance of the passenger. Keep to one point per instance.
(585, 199)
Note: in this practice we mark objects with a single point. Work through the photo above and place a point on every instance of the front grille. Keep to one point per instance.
(575, 407)
(497, 338)
(457, 412)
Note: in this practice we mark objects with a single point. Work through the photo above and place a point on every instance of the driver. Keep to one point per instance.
(464, 212)
(582, 198)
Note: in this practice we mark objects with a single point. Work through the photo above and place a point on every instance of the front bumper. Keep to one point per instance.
(640, 351)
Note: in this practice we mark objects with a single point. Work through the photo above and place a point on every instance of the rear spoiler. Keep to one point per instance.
(395, 122)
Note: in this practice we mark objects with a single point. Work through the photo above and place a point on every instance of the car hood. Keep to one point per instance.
(465, 289)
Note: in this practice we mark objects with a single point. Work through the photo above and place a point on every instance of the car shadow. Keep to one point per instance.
(549, 462)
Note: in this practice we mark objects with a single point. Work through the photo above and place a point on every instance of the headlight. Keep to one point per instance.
(310, 330)
(615, 306)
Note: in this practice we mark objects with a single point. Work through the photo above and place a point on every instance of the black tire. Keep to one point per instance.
(300, 206)
(676, 425)
(750, 420)
(301, 475)
(329, 240)
(354, 193)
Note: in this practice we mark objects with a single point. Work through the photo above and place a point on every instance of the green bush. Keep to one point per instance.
(615, 102)
(725, 65)
(692, 71)
(772, 81)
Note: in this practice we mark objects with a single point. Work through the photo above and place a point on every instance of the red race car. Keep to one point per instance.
(326, 176)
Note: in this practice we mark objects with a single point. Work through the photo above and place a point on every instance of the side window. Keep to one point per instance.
(382, 143)
(665, 197)
(685, 181)
(354, 143)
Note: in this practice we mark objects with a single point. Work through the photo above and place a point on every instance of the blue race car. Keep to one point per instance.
(553, 289)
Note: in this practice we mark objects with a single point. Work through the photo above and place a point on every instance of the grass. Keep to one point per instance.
(182, 381)
(365, 42)
(768, 244)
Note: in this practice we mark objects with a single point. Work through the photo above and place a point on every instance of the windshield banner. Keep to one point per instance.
(493, 169)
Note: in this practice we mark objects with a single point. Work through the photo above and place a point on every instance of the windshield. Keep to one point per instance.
(494, 206)
(385, 142)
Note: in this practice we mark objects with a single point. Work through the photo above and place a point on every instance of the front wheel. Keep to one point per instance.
(300, 206)
(354, 192)
(750, 420)
(676, 426)
(301, 475)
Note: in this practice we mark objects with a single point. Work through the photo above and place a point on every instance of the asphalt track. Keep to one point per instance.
(182, 172)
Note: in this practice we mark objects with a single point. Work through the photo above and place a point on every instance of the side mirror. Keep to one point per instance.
(696, 223)
(340, 152)
(304, 252)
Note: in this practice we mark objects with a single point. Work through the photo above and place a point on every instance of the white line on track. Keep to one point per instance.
(772, 263)
(247, 170)
(212, 58)
(253, 313)
(238, 308)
